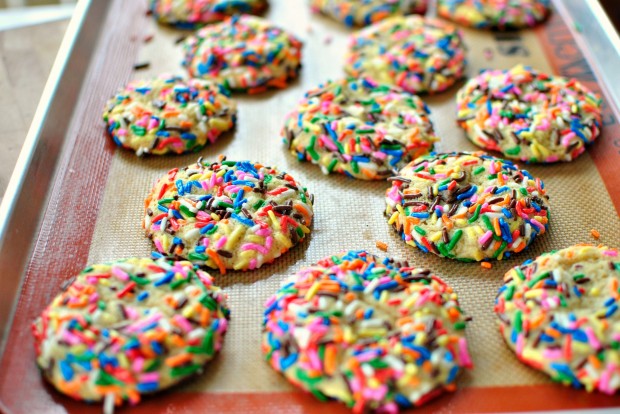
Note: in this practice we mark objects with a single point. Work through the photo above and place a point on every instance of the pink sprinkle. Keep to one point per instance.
(464, 354)
(221, 242)
(610, 253)
(182, 322)
(116, 271)
(256, 247)
(537, 224)
(485, 237)
(520, 344)
(592, 338)
(149, 377)
(137, 364)
(253, 263)
(159, 247)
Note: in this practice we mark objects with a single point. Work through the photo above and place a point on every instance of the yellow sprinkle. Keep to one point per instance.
(234, 237)
(283, 240)
(393, 218)
(274, 220)
(313, 290)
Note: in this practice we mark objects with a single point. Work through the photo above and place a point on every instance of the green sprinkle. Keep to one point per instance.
(520, 273)
(106, 379)
(500, 250)
(509, 292)
(513, 151)
(455, 239)
(207, 342)
(476, 214)
(213, 230)
(208, 302)
(487, 223)
(258, 204)
(177, 283)
(459, 325)
(138, 130)
(224, 204)
(523, 191)
(229, 163)
(198, 256)
(420, 230)
(518, 322)
(142, 281)
(101, 305)
(332, 165)
(537, 279)
(478, 170)
(185, 370)
(165, 201)
(186, 211)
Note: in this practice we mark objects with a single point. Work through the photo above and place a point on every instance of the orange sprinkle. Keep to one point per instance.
(595, 234)
(382, 246)
(486, 265)
(175, 361)
(214, 256)
(330, 359)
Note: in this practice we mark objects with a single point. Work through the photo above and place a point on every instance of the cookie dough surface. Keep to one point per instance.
(359, 128)
(559, 314)
(495, 14)
(169, 114)
(131, 327)
(528, 115)
(370, 332)
(365, 12)
(189, 14)
(245, 53)
(227, 215)
(467, 206)
(417, 54)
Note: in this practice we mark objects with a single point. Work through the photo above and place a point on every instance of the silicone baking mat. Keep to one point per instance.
(96, 208)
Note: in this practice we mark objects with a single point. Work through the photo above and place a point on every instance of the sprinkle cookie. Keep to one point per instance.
(372, 333)
(495, 14)
(227, 215)
(358, 128)
(245, 53)
(418, 54)
(559, 314)
(467, 206)
(365, 12)
(127, 328)
(169, 115)
(529, 116)
(189, 14)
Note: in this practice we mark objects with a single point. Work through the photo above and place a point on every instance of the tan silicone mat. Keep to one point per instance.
(349, 213)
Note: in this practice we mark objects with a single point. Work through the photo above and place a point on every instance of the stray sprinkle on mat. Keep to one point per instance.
(595, 234)
(486, 265)
(143, 65)
(382, 246)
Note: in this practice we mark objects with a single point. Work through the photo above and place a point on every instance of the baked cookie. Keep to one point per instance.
(245, 53)
(559, 314)
(420, 55)
(131, 327)
(359, 128)
(495, 14)
(373, 333)
(467, 206)
(365, 12)
(227, 215)
(529, 116)
(169, 114)
(189, 14)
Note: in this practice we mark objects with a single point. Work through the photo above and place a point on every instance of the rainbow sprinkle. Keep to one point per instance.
(559, 314)
(131, 327)
(467, 206)
(373, 333)
(227, 214)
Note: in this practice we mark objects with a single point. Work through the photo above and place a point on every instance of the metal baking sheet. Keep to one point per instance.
(89, 209)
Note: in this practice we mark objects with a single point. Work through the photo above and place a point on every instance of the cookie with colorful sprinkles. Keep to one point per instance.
(559, 314)
(359, 128)
(123, 329)
(189, 14)
(467, 206)
(245, 53)
(227, 214)
(375, 334)
(417, 54)
(365, 12)
(169, 114)
(528, 115)
(494, 14)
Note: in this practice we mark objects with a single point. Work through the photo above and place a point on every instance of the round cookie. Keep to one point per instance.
(559, 314)
(372, 333)
(131, 327)
(365, 12)
(467, 206)
(420, 55)
(228, 214)
(528, 115)
(245, 53)
(169, 114)
(189, 14)
(494, 14)
(358, 128)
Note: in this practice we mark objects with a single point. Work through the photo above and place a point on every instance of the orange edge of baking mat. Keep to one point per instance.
(22, 389)
(567, 59)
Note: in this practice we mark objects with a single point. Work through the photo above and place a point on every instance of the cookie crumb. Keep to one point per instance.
(486, 265)
(143, 65)
(595, 234)
(382, 246)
